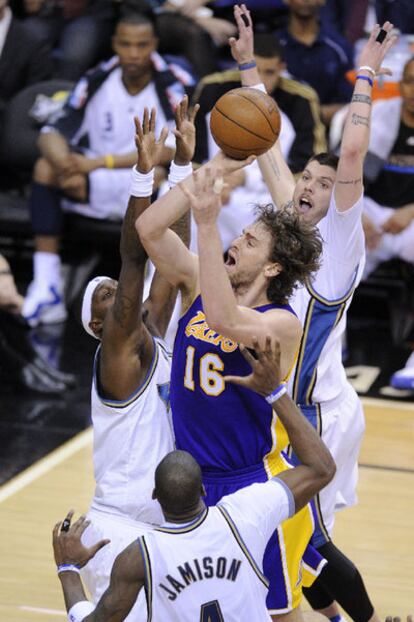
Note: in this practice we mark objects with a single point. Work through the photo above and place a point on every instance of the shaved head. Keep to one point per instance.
(178, 483)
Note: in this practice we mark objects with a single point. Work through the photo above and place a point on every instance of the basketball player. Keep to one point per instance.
(203, 563)
(130, 408)
(329, 194)
(233, 435)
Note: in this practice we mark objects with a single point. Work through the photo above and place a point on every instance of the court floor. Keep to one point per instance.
(377, 534)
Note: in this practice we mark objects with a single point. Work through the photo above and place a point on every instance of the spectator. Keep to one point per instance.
(98, 119)
(24, 60)
(78, 31)
(20, 365)
(400, 13)
(389, 206)
(317, 55)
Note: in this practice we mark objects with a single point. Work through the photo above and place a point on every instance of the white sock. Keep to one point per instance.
(46, 268)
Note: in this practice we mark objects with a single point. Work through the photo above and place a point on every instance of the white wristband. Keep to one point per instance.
(80, 610)
(141, 183)
(367, 68)
(178, 173)
(67, 567)
(259, 87)
(276, 394)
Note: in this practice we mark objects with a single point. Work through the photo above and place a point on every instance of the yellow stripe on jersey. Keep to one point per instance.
(242, 545)
(148, 575)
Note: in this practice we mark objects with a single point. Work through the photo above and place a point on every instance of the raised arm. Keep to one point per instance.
(127, 576)
(123, 334)
(317, 468)
(276, 173)
(354, 146)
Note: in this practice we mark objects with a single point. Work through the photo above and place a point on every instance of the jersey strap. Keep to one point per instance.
(148, 575)
(242, 545)
(322, 316)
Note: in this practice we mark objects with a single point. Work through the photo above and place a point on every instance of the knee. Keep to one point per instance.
(43, 172)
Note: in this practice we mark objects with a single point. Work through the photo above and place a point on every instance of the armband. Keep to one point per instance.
(141, 183)
(366, 78)
(369, 69)
(67, 567)
(276, 394)
(109, 160)
(245, 66)
(178, 173)
(80, 610)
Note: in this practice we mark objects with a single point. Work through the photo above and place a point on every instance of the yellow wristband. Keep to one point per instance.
(109, 161)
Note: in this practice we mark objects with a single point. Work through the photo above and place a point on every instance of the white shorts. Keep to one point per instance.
(399, 246)
(108, 195)
(343, 428)
(96, 574)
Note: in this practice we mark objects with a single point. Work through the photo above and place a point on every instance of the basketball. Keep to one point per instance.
(245, 122)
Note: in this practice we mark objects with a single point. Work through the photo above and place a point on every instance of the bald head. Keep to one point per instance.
(178, 483)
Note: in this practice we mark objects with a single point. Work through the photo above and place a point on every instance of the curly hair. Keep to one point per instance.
(296, 246)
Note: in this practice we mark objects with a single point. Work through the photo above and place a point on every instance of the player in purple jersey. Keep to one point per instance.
(228, 429)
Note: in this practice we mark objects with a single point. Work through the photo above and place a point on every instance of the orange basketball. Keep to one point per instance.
(245, 122)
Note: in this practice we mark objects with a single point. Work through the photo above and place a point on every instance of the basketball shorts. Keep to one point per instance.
(97, 572)
(343, 427)
(289, 562)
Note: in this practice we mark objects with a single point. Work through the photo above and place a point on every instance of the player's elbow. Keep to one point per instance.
(327, 469)
(144, 229)
(351, 151)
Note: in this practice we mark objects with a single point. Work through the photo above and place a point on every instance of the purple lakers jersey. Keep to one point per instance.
(224, 426)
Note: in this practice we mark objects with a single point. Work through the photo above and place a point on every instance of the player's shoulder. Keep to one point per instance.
(283, 323)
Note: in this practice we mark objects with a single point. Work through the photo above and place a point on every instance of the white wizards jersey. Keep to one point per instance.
(322, 304)
(211, 568)
(130, 438)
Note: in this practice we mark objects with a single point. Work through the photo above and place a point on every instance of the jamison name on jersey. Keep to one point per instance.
(198, 570)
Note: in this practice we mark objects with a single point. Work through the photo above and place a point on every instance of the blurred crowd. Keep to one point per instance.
(70, 144)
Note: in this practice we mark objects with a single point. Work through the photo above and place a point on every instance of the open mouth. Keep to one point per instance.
(304, 205)
(230, 260)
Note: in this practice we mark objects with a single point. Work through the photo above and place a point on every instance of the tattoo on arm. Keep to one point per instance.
(122, 306)
(349, 182)
(273, 162)
(358, 119)
(361, 99)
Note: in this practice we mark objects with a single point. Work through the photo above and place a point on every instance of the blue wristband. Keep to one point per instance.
(245, 66)
(367, 78)
(67, 568)
(276, 394)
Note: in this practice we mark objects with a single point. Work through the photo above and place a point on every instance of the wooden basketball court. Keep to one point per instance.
(377, 534)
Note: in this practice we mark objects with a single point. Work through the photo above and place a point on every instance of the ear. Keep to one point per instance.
(96, 326)
(272, 270)
(154, 494)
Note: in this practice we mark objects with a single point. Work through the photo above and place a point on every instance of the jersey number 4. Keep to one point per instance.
(211, 612)
(211, 380)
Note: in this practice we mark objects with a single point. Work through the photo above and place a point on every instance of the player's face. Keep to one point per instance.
(407, 88)
(247, 258)
(134, 44)
(269, 71)
(305, 8)
(103, 298)
(313, 192)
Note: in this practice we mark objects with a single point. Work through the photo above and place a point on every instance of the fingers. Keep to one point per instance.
(194, 112)
(163, 136)
(242, 381)
(138, 129)
(145, 121)
(98, 546)
(152, 120)
(247, 355)
(66, 522)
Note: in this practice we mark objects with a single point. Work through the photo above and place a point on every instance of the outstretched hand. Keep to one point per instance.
(150, 150)
(242, 48)
(185, 132)
(373, 52)
(266, 374)
(221, 162)
(67, 545)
